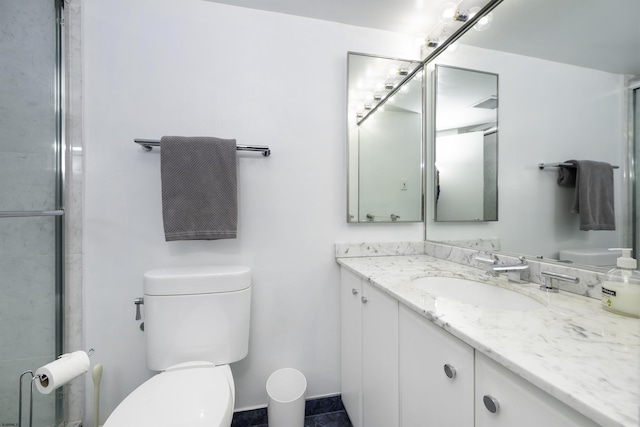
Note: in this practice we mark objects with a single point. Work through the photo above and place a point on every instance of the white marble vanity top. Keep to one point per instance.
(574, 350)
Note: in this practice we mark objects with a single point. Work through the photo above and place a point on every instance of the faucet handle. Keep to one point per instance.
(490, 259)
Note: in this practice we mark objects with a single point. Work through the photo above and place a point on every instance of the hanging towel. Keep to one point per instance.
(594, 195)
(199, 188)
(567, 176)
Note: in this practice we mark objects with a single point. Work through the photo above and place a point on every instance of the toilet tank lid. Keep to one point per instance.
(192, 280)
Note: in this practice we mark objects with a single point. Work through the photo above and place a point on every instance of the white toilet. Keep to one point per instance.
(196, 323)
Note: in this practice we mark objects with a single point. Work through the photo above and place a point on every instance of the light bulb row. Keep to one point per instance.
(369, 93)
(450, 13)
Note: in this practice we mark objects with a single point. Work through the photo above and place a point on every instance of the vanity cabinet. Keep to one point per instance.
(369, 353)
(399, 369)
(436, 374)
(517, 401)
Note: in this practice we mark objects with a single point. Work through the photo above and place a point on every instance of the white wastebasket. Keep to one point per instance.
(286, 390)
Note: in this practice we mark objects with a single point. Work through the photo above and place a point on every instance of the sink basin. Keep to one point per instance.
(477, 293)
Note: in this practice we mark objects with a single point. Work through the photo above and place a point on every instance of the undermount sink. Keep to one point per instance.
(477, 293)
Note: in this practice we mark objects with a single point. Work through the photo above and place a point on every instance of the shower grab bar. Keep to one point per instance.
(148, 145)
(562, 164)
(21, 214)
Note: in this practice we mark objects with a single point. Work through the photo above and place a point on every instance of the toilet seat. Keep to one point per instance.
(193, 394)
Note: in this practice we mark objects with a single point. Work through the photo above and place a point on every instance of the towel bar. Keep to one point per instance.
(557, 165)
(148, 144)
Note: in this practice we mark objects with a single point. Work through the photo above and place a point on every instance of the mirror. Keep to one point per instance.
(565, 93)
(385, 181)
(466, 145)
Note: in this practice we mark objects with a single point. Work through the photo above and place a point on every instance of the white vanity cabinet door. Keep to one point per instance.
(520, 403)
(351, 340)
(428, 397)
(379, 358)
(369, 353)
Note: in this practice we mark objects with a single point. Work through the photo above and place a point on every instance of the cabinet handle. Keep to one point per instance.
(491, 403)
(354, 291)
(449, 371)
(364, 300)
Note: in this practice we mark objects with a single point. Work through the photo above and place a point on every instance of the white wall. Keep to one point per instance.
(390, 147)
(549, 112)
(157, 67)
(460, 160)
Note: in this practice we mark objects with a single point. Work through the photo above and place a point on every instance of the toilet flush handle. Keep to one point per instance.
(138, 302)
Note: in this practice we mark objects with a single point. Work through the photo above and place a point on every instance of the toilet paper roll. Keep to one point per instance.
(61, 371)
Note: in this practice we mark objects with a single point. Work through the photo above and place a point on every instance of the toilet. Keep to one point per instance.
(196, 323)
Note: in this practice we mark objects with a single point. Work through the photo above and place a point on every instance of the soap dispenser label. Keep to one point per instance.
(608, 296)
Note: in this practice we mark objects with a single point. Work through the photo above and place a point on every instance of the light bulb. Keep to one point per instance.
(447, 12)
(484, 22)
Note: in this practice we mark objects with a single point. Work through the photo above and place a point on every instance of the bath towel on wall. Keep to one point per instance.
(594, 194)
(199, 188)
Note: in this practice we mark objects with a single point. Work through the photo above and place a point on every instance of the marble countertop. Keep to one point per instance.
(574, 350)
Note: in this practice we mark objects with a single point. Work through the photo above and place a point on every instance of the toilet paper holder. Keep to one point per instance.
(43, 381)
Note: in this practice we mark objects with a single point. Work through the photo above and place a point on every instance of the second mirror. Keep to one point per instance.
(466, 145)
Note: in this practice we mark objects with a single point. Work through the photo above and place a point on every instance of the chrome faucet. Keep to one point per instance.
(518, 273)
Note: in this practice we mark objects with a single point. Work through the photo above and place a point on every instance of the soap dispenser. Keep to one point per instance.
(621, 289)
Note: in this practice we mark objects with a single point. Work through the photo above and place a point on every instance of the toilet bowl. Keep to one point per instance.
(195, 394)
(196, 324)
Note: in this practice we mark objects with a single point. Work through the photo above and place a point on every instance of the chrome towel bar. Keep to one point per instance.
(148, 145)
(557, 165)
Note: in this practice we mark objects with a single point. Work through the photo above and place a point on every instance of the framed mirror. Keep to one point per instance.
(565, 93)
(385, 147)
(465, 145)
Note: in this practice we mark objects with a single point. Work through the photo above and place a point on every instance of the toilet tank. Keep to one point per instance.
(196, 314)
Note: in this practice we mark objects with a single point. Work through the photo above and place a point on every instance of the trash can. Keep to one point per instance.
(286, 390)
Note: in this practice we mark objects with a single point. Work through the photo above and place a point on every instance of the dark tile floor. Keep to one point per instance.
(324, 412)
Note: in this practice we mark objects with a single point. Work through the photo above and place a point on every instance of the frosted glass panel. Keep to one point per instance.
(28, 175)
(27, 116)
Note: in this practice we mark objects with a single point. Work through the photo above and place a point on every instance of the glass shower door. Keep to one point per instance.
(30, 202)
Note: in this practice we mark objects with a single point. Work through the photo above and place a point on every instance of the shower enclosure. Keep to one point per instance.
(31, 211)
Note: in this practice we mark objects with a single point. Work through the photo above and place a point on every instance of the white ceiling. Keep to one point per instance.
(602, 34)
(403, 16)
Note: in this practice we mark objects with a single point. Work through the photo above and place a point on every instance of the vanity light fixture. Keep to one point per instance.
(450, 12)
(389, 86)
(432, 43)
(403, 72)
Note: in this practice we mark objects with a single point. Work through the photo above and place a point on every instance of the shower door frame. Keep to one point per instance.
(634, 153)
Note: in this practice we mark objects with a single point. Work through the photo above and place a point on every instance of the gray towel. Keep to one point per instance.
(567, 176)
(594, 195)
(199, 188)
